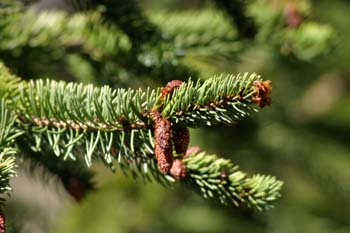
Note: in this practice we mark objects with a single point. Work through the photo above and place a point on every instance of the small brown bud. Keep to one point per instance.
(262, 96)
(178, 170)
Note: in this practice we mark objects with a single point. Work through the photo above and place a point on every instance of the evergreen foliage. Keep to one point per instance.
(75, 119)
(111, 61)
(8, 133)
(218, 178)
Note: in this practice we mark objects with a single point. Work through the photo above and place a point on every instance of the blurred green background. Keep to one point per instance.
(303, 138)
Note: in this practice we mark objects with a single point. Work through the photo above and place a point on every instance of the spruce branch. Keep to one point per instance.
(286, 25)
(127, 125)
(101, 44)
(152, 52)
(84, 33)
(194, 28)
(219, 100)
(93, 115)
(69, 114)
(207, 33)
(204, 33)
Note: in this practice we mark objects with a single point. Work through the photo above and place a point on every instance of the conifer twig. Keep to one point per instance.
(127, 125)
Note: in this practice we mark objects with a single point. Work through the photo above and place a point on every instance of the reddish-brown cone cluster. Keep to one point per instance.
(170, 87)
(181, 139)
(163, 145)
(262, 96)
(2, 222)
(178, 170)
(165, 136)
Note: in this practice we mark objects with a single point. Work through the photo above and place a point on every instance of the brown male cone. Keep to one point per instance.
(181, 138)
(163, 147)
